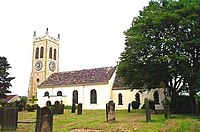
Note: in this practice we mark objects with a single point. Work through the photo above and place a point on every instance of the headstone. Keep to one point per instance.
(147, 110)
(9, 116)
(79, 112)
(73, 108)
(44, 120)
(58, 108)
(110, 111)
(129, 107)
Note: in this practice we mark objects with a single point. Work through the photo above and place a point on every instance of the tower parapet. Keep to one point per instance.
(46, 37)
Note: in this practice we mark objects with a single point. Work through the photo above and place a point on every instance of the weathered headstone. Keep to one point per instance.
(110, 111)
(73, 108)
(44, 120)
(58, 108)
(129, 107)
(147, 110)
(9, 116)
(79, 112)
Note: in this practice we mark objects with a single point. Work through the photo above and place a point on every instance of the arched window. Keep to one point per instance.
(46, 94)
(120, 99)
(41, 52)
(59, 93)
(137, 97)
(50, 53)
(93, 96)
(48, 103)
(75, 97)
(54, 54)
(156, 97)
(37, 53)
(56, 103)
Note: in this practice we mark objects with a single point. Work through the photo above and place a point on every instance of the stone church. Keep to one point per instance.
(91, 87)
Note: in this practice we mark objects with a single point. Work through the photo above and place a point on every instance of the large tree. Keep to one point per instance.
(163, 45)
(4, 77)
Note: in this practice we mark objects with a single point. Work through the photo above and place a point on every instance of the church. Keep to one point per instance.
(92, 87)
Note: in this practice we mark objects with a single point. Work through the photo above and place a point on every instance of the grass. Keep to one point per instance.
(95, 120)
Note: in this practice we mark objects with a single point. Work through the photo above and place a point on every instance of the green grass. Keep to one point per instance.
(95, 120)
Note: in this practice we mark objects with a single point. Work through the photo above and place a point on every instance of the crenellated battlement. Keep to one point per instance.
(46, 37)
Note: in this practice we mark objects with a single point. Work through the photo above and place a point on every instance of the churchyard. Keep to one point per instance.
(95, 120)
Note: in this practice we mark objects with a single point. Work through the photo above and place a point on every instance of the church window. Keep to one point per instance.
(120, 99)
(137, 97)
(46, 94)
(37, 53)
(93, 96)
(37, 79)
(54, 54)
(59, 93)
(75, 97)
(48, 103)
(50, 53)
(41, 52)
(156, 97)
(57, 103)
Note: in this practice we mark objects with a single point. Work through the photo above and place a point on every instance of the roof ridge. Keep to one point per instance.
(85, 69)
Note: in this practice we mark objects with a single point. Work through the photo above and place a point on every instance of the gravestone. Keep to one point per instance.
(9, 116)
(44, 120)
(73, 108)
(129, 107)
(79, 112)
(147, 110)
(58, 108)
(110, 111)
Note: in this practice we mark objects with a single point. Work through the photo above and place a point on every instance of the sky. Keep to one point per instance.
(91, 33)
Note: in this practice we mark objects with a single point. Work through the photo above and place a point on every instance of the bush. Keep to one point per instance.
(68, 107)
(135, 104)
(31, 107)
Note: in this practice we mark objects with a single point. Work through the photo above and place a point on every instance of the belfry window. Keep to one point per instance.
(54, 54)
(41, 52)
(50, 53)
(93, 96)
(37, 53)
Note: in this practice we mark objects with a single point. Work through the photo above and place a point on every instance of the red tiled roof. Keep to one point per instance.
(97, 75)
(9, 97)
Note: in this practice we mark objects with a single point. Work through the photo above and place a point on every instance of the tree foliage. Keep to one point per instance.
(163, 45)
(4, 77)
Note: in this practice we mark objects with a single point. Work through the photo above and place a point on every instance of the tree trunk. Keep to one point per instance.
(192, 103)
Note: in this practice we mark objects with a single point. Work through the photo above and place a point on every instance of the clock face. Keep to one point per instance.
(38, 65)
(52, 66)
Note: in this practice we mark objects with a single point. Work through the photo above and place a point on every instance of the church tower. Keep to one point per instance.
(45, 60)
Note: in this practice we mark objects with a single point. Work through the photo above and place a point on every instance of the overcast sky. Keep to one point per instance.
(91, 33)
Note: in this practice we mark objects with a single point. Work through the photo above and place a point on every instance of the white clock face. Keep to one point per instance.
(52, 66)
(38, 65)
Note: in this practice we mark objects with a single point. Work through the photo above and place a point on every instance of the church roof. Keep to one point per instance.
(119, 84)
(86, 76)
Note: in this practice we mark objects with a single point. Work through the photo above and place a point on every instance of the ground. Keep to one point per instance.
(95, 121)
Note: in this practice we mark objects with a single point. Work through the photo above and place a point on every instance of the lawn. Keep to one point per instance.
(95, 120)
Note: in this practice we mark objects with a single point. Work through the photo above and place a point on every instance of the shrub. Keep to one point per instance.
(135, 104)
(31, 107)
(68, 107)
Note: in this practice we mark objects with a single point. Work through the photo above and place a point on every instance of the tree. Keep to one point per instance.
(163, 45)
(4, 77)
